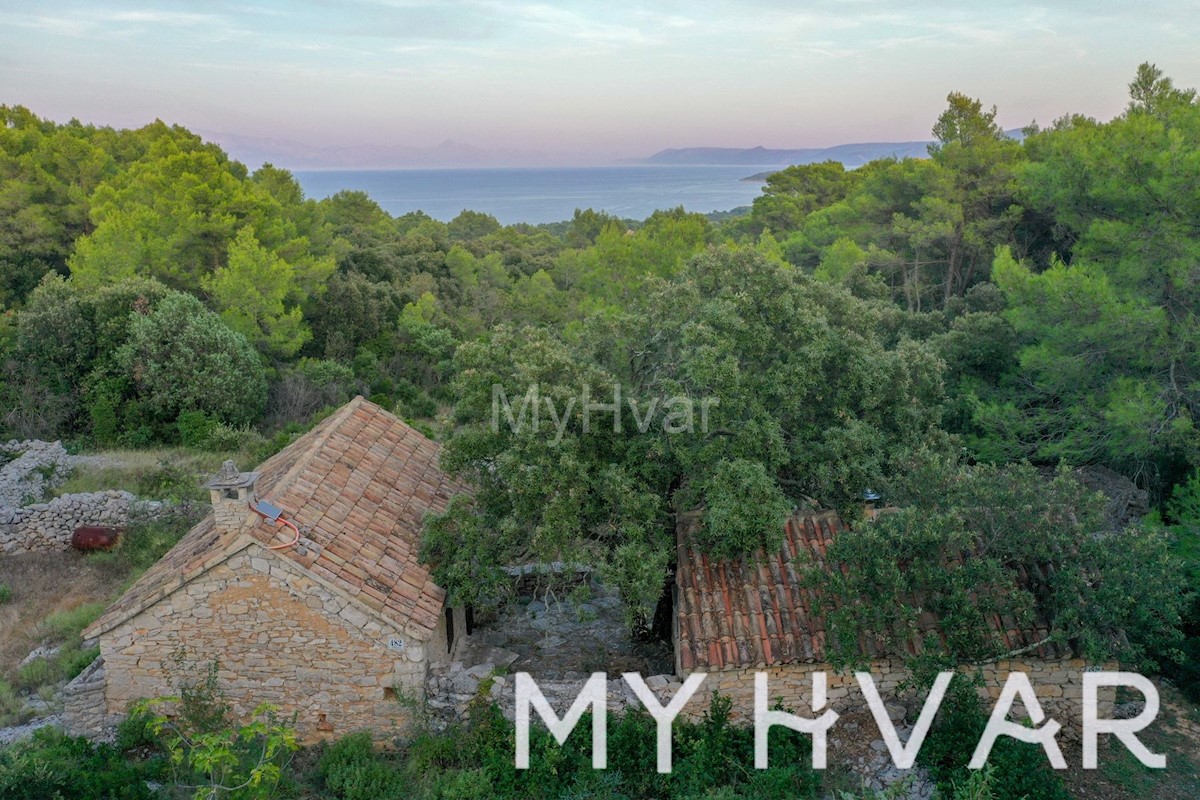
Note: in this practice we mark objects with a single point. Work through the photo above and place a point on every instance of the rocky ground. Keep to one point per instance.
(571, 638)
(30, 469)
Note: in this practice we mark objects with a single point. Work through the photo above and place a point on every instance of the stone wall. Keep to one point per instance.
(1058, 685)
(31, 469)
(47, 527)
(84, 711)
(278, 636)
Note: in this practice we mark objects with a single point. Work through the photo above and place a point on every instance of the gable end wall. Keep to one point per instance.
(279, 636)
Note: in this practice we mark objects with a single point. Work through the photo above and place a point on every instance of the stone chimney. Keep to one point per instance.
(871, 500)
(231, 494)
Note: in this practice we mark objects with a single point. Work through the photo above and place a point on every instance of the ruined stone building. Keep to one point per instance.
(737, 616)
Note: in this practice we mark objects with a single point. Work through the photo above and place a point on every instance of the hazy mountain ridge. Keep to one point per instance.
(290, 154)
(851, 155)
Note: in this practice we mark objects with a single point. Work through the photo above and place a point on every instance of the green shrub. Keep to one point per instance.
(470, 785)
(134, 732)
(224, 438)
(145, 541)
(1021, 771)
(209, 756)
(421, 405)
(352, 770)
(39, 672)
(75, 660)
(53, 765)
(168, 481)
(181, 356)
(1184, 510)
(105, 422)
(475, 760)
(1184, 505)
(194, 428)
(6, 594)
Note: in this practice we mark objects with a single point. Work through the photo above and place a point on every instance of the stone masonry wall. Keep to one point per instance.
(47, 527)
(84, 712)
(30, 468)
(278, 636)
(1058, 685)
(28, 471)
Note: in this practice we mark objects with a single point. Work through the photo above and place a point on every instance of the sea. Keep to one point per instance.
(549, 194)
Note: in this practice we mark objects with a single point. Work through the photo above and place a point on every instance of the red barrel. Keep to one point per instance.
(91, 537)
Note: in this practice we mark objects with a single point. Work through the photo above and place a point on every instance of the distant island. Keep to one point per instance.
(851, 155)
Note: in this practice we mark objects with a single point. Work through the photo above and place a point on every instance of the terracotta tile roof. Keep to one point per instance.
(358, 486)
(758, 611)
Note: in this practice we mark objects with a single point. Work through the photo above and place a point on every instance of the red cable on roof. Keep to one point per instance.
(278, 519)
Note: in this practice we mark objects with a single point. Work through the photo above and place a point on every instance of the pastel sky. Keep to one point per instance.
(597, 79)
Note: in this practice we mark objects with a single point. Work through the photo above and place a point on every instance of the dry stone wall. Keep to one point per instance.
(30, 470)
(47, 527)
(84, 712)
(1058, 685)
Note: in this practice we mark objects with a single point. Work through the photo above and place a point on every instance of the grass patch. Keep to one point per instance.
(72, 658)
(69, 624)
(164, 473)
(12, 708)
(6, 594)
(45, 673)
(37, 673)
(146, 541)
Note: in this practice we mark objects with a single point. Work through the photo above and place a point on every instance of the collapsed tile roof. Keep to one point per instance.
(758, 611)
(358, 486)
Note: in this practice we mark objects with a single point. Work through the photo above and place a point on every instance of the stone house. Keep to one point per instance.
(738, 616)
(303, 585)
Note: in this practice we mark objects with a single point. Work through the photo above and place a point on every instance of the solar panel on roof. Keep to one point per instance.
(268, 510)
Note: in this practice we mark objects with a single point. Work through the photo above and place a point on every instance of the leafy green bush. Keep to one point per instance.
(6, 594)
(76, 659)
(1183, 509)
(238, 763)
(182, 357)
(224, 438)
(353, 771)
(53, 765)
(209, 755)
(147, 540)
(194, 428)
(167, 481)
(1021, 771)
(134, 733)
(39, 672)
(475, 760)
(103, 413)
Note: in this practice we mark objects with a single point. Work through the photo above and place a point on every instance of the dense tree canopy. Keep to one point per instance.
(1010, 298)
(745, 389)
